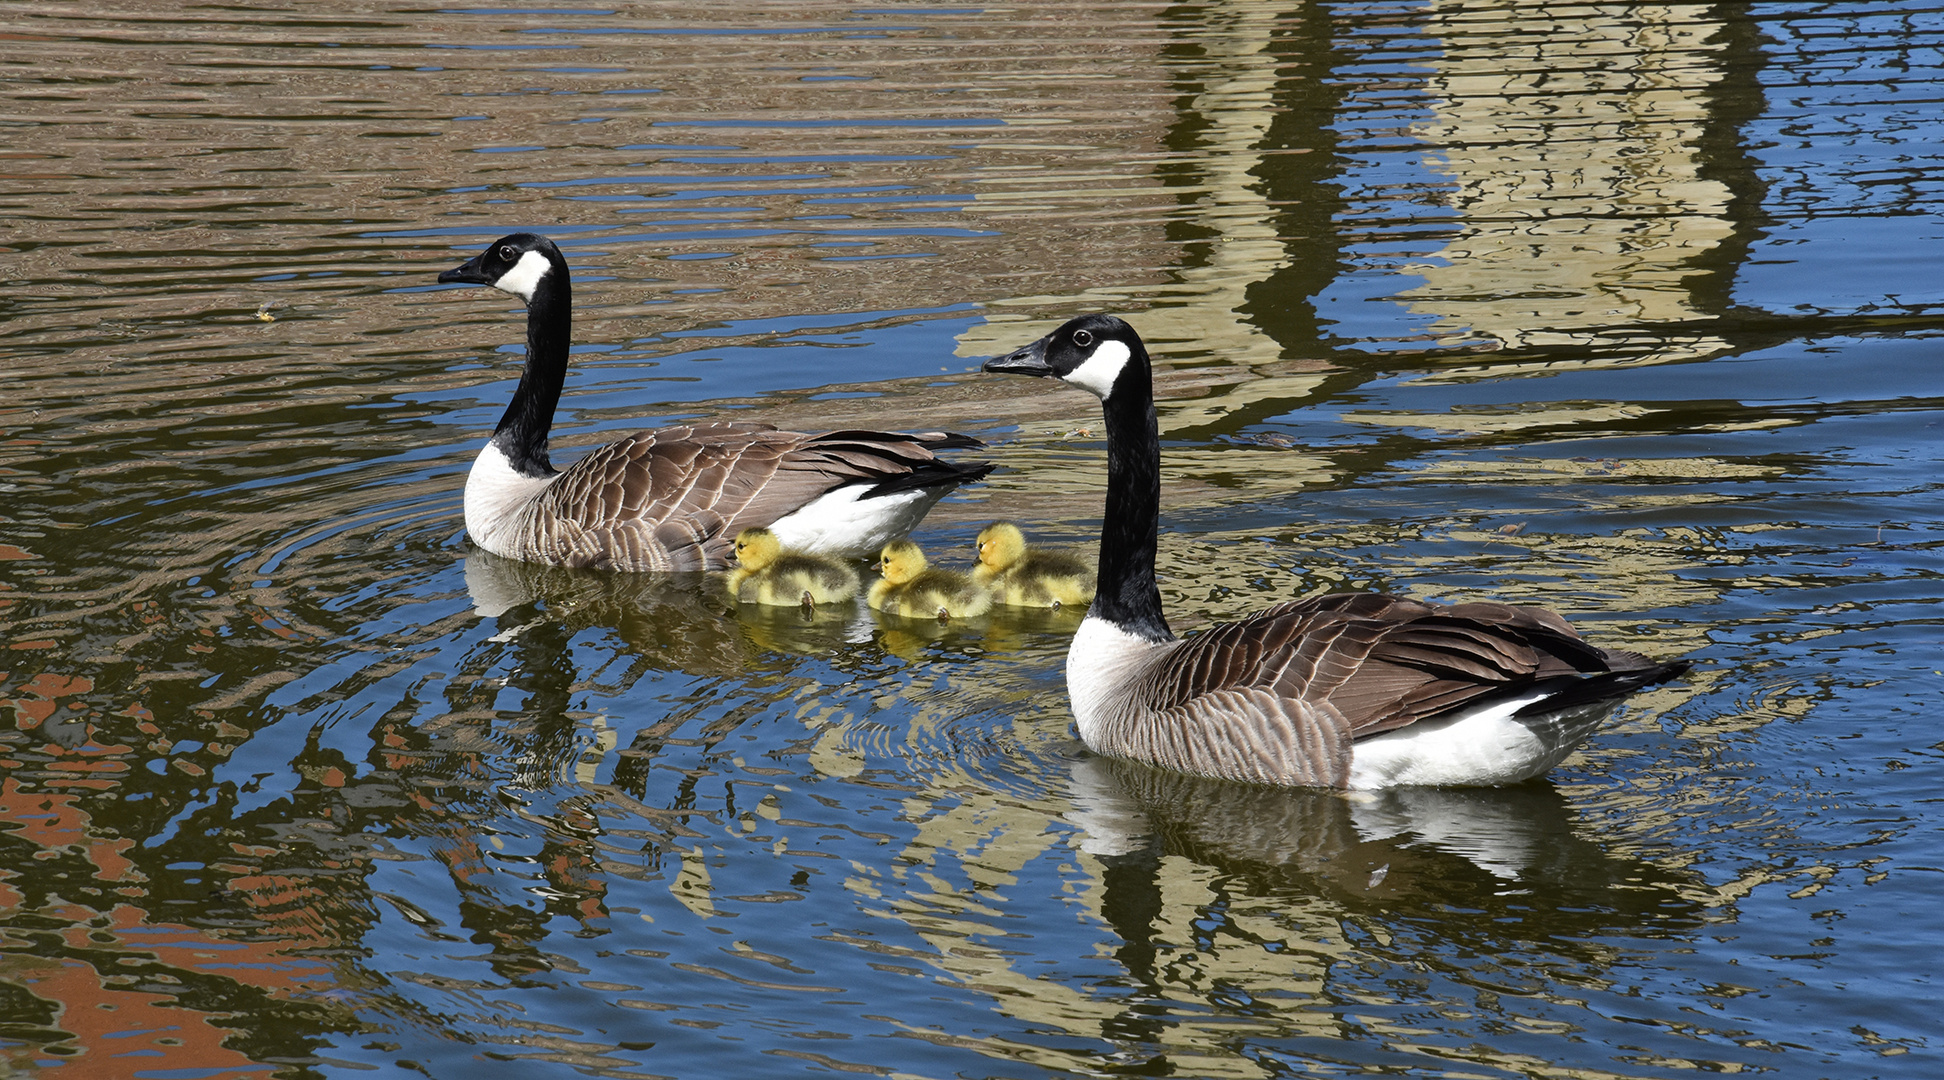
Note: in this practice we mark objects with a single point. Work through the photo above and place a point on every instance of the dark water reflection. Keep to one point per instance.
(1631, 310)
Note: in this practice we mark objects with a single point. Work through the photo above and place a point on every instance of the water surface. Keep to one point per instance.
(1630, 310)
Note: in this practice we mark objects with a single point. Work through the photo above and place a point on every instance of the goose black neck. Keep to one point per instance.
(1126, 594)
(522, 431)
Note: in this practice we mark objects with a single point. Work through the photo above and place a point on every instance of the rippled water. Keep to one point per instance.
(1633, 310)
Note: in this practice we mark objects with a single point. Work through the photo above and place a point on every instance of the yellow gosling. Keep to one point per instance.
(1021, 576)
(914, 589)
(766, 574)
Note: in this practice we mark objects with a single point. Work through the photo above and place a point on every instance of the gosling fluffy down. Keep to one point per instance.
(915, 589)
(766, 574)
(1022, 576)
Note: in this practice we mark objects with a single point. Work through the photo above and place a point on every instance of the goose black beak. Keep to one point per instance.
(467, 274)
(1030, 360)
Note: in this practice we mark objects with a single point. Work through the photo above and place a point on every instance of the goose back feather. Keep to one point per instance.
(674, 498)
(1283, 696)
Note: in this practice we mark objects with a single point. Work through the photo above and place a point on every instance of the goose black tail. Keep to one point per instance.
(930, 475)
(930, 440)
(1607, 686)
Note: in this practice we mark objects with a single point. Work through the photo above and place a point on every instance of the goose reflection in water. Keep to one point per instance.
(671, 622)
(1394, 844)
(563, 633)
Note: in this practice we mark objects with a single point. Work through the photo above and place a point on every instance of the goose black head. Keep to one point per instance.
(1089, 352)
(514, 264)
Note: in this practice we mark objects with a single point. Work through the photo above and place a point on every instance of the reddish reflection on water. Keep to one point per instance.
(104, 977)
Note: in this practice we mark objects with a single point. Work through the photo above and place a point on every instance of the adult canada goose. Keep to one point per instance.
(671, 499)
(1021, 576)
(767, 574)
(913, 588)
(1356, 690)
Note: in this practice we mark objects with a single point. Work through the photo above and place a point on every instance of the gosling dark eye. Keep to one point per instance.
(1083, 338)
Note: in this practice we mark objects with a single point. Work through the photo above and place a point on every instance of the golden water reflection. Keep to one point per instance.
(1577, 155)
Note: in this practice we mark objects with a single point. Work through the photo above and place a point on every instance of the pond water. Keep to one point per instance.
(1632, 310)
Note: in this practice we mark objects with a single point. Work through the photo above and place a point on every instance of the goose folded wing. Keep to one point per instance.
(1366, 663)
(694, 486)
(897, 462)
(665, 474)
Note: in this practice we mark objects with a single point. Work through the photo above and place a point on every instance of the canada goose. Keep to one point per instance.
(1350, 690)
(767, 574)
(1021, 576)
(911, 587)
(671, 499)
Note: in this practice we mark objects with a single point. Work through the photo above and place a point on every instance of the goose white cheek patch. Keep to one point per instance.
(525, 275)
(1098, 372)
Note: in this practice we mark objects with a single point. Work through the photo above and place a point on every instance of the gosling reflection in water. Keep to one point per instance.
(805, 631)
(674, 621)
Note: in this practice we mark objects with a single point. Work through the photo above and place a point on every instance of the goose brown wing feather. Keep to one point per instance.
(697, 541)
(1373, 663)
(673, 498)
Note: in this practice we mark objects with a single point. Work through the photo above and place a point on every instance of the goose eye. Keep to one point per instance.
(1083, 338)
(506, 251)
